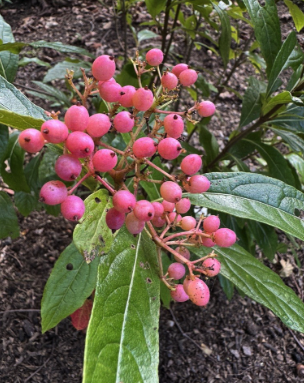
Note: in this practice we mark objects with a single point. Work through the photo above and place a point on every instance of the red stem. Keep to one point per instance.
(78, 183)
(105, 184)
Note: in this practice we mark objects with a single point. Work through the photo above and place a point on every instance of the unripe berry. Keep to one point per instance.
(169, 80)
(169, 148)
(134, 225)
(76, 118)
(168, 206)
(53, 193)
(172, 217)
(188, 77)
(54, 131)
(127, 93)
(80, 144)
(124, 201)
(179, 68)
(110, 91)
(103, 68)
(68, 167)
(207, 242)
(206, 108)
(182, 251)
(211, 223)
(144, 147)
(171, 191)
(198, 184)
(158, 221)
(188, 223)
(142, 99)
(104, 160)
(191, 164)
(224, 237)
(154, 57)
(213, 267)
(72, 208)
(174, 125)
(176, 270)
(183, 206)
(158, 209)
(123, 122)
(99, 124)
(144, 210)
(114, 219)
(31, 140)
(179, 294)
(198, 292)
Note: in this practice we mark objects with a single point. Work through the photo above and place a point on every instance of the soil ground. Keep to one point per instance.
(236, 341)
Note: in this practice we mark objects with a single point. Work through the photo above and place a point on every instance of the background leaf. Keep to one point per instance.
(8, 60)
(155, 6)
(225, 37)
(296, 14)
(251, 108)
(8, 221)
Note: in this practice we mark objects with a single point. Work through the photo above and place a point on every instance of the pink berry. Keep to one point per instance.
(31, 140)
(54, 131)
(104, 160)
(179, 294)
(171, 191)
(169, 80)
(176, 270)
(76, 118)
(154, 57)
(191, 164)
(182, 251)
(188, 77)
(188, 223)
(211, 223)
(99, 124)
(224, 237)
(172, 217)
(114, 219)
(73, 208)
(206, 109)
(213, 267)
(134, 225)
(142, 99)
(127, 93)
(179, 68)
(174, 125)
(158, 209)
(144, 147)
(103, 68)
(198, 292)
(168, 206)
(158, 221)
(110, 91)
(53, 193)
(207, 242)
(183, 206)
(198, 184)
(123, 122)
(124, 201)
(80, 144)
(68, 167)
(169, 148)
(186, 282)
(144, 210)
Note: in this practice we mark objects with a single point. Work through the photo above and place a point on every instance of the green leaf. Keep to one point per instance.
(122, 338)
(251, 108)
(267, 28)
(46, 171)
(260, 283)
(255, 197)
(8, 60)
(298, 163)
(225, 38)
(291, 119)
(151, 188)
(29, 60)
(227, 286)
(293, 140)
(209, 143)
(92, 237)
(146, 34)
(281, 62)
(25, 202)
(165, 295)
(280, 99)
(8, 218)
(4, 138)
(53, 92)
(265, 236)
(71, 282)
(155, 6)
(60, 69)
(18, 111)
(296, 14)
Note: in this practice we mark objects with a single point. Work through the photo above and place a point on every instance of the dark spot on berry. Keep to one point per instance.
(122, 93)
(73, 177)
(45, 131)
(97, 200)
(75, 218)
(146, 87)
(111, 57)
(69, 266)
(112, 154)
(87, 150)
(113, 231)
(179, 148)
(26, 139)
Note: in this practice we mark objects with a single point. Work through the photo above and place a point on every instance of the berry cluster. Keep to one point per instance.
(87, 154)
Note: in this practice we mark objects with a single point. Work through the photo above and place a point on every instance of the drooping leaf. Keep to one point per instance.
(227, 286)
(25, 202)
(225, 37)
(122, 338)
(298, 163)
(29, 60)
(155, 6)
(265, 236)
(8, 218)
(60, 69)
(146, 34)
(296, 14)
(291, 119)
(252, 104)
(71, 282)
(280, 99)
(8, 60)
(293, 140)
(255, 197)
(209, 143)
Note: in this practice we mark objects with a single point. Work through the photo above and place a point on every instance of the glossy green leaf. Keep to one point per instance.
(266, 238)
(227, 286)
(298, 163)
(25, 202)
(4, 137)
(225, 37)
(91, 236)
(295, 142)
(266, 27)
(165, 295)
(29, 60)
(59, 71)
(251, 108)
(18, 111)
(46, 171)
(151, 188)
(122, 338)
(209, 143)
(291, 119)
(53, 92)
(8, 60)
(155, 6)
(296, 14)
(146, 34)
(71, 282)
(260, 283)
(8, 218)
(280, 99)
(255, 197)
